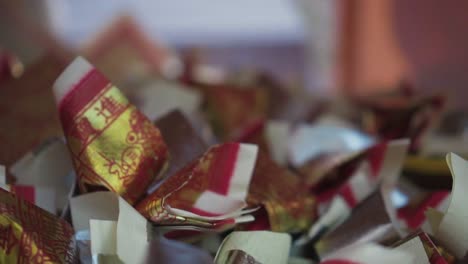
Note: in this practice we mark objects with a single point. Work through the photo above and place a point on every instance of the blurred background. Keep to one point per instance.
(328, 47)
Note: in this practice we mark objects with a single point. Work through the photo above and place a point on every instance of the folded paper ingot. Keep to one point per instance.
(29, 234)
(47, 168)
(397, 117)
(288, 204)
(27, 104)
(183, 141)
(421, 246)
(113, 145)
(232, 110)
(450, 229)
(369, 222)
(209, 192)
(413, 215)
(358, 175)
(123, 52)
(258, 246)
(368, 253)
(328, 166)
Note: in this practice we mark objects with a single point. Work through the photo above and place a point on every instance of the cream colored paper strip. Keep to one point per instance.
(263, 246)
(370, 254)
(452, 230)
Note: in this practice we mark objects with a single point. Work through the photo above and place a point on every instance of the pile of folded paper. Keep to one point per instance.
(137, 156)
